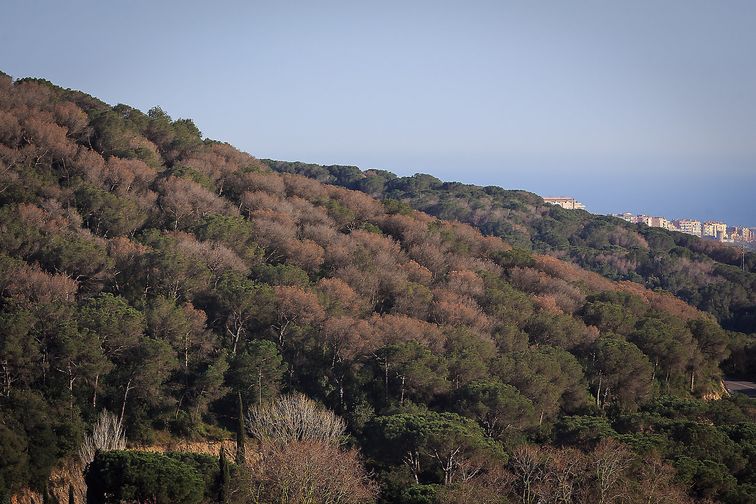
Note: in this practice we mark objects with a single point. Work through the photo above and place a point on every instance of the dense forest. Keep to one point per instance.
(157, 286)
(704, 273)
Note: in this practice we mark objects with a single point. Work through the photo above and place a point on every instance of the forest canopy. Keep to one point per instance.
(706, 274)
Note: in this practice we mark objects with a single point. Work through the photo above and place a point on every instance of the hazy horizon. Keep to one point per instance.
(635, 107)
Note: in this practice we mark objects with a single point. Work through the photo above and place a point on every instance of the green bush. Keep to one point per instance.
(144, 477)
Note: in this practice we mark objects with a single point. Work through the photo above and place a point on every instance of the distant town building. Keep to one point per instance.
(566, 203)
(689, 226)
(660, 222)
(740, 234)
(647, 220)
(714, 229)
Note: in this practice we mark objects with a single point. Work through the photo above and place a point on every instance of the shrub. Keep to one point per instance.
(118, 476)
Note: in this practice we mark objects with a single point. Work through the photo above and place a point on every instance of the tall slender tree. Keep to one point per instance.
(240, 435)
(224, 477)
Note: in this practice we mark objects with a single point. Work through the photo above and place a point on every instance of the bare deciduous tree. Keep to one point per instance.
(563, 477)
(488, 487)
(656, 484)
(107, 435)
(293, 418)
(306, 472)
(527, 465)
(609, 462)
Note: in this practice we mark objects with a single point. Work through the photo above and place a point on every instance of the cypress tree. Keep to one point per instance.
(240, 435)
(71, 499)
(47, 497)
(224, 476)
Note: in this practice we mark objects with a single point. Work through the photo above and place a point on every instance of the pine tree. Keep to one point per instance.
(240, 435)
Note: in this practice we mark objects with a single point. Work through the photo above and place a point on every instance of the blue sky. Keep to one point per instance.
(646, 106)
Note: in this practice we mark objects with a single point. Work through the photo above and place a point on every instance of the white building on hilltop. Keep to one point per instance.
(565, 202)
(646, 219)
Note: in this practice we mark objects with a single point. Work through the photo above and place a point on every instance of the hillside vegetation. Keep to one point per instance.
(167, 278)
(704, 273)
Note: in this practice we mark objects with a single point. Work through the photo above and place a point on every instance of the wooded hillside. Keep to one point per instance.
(704, 273)
(162, 276)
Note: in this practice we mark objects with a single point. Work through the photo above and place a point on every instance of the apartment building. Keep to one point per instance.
(660, 222)
(714, 229)
(689, 226)
(740, 234)
(647, 220)
(566, 202)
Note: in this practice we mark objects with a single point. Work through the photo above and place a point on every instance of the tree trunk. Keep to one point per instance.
(71, 379)
(598, 392)
(666, 381)
(6, 379)
(282, 332)
(259, 386)
(94, 393)
(385, 378)
(653, 374)
(412, 460)
(123, 406)
(186, 354)
(235, 335)
(401, 397)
